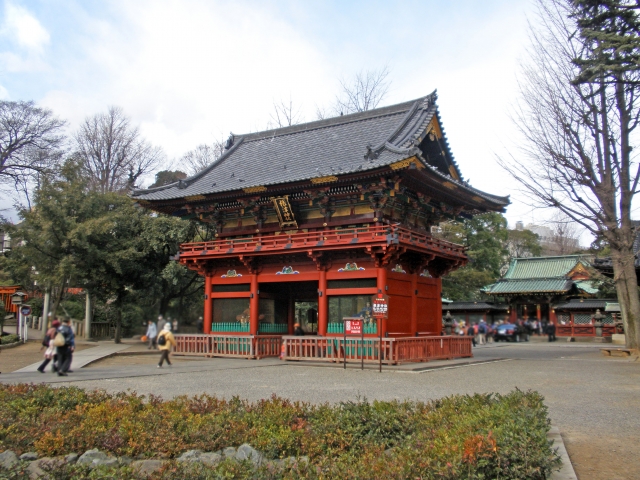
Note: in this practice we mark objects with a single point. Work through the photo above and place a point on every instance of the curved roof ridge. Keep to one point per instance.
(333, 121)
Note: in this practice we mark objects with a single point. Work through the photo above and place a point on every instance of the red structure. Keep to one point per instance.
(5, 297)
(313, 220)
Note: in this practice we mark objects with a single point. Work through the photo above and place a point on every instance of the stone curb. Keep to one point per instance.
(11, 345)
(565, 472)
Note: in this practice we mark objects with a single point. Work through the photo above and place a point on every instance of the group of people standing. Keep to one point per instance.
(161, 338)
(60, 343)
(483, 332)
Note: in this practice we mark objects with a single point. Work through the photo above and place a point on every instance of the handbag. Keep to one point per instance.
(49, 352)
(59, 340)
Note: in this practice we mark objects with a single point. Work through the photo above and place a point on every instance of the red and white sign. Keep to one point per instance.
(353, 327)
(380, 307)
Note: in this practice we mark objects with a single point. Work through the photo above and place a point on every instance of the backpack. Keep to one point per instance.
(162, 341)
(482, 328)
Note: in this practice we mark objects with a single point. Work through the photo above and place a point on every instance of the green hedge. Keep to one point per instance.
(7, 339)
(480, 436)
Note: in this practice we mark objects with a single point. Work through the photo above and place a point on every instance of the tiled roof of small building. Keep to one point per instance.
(332, 147)
(541, 285)
(472, 306)
(540, 275)
(584, 304)
(542, 267)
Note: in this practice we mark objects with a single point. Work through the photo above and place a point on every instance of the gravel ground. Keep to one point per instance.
(592, 399)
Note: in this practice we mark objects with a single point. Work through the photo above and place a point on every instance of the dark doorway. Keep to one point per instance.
(289, 303)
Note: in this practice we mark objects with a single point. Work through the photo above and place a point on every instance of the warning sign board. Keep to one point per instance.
(353, 327)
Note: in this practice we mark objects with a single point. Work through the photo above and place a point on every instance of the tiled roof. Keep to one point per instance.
(542, 267)
(584, 304)
(470, 306)
(587, 286)
(549, 285)
(329, 147)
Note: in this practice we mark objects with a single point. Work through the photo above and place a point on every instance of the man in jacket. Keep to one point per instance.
(65, 352)
(152, 333)
(165, 341)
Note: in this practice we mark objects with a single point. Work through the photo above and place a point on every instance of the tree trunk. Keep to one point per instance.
(57, 301)
(626, 281)
(118, 335)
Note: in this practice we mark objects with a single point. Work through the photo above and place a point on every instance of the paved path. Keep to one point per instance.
(82, 358)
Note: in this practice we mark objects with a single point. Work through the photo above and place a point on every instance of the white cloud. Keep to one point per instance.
(191, 71)
(28, 37)
(24, 28)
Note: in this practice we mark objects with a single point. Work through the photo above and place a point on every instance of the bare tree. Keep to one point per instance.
(565, 238)
(284, 114)
(201, 157)
(364, 92)
(30, 143)
(579, 132)
(113, 154)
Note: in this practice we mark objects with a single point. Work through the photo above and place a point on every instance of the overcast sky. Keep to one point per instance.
(190, 71)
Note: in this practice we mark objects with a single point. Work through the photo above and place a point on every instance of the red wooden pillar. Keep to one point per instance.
(414, 304)
(208, 303)
(538, 312)
(381, 283)
(253, 306)
(514, 313)
(323, 304)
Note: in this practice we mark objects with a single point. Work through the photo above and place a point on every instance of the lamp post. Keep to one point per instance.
(597, 322)
(448, 323)
(16, 299)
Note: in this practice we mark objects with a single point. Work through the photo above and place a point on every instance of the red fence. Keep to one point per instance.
(393, 351)
(583, 330)
(332, 349)
(242, 346)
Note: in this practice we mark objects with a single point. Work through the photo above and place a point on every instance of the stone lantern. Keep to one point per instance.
(597, 322)
(448, 323)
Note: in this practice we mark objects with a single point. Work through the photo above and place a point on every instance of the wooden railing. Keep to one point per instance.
(242, 346)
(325, 239)
(100, 330)
(332, 349)
(393, 351)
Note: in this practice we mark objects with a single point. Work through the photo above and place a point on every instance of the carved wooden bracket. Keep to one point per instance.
(322, 260)
(251, 263)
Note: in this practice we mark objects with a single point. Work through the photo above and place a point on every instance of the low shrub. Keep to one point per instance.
(464, 436)
(7, 339)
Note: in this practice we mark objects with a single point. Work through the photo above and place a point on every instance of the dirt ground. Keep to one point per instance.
(598, 458)
(12, 359)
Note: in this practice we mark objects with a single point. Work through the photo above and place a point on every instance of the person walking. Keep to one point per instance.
(160, 324)
(50, 352)
(65, 352)
(165, 341)
(482, 333)
(551, 331)
(471, 332)
(152, 333)
(174, 327)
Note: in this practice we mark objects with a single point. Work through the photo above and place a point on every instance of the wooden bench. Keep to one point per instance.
(616, 352)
